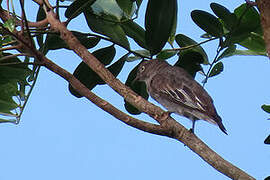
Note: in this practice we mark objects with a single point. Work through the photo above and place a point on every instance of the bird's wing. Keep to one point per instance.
(183, 90)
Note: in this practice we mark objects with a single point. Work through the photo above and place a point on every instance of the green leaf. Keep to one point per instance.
(105, 55)
(107, 28)
(166, 54)
(11, 76)
(116, 67)
(109, 10)
(134, 31)
(249, 18)
(184, 41)
(87, 76)
(190, 61)
(254, 42)
(77, 7)
(248, 21)
(267, 140)
(138, 87)
(127, 6)
(40, 16)
(249, 53)
(173, 30)
(85, 40)
(133, 58)
(8, 120)
(6, 105)
(225, 15)
(217, 69)
(207, 22)
(143, 52)
(229, 51)
(12, 73)
(54, 41)
(159, 23)
(10, 24)
(7, 39)
(138, 3)
(266, 108)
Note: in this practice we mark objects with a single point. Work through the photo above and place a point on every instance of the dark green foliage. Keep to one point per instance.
(118, 26)
(90, 78)
(126, 6)
(217, 69)
(134, 31)
(40, 16)
(184, 41)
(166, 54)
(229, 19)
(159, 23)
(77, 7)
(267, 140)
(108, 28)
(13, 79)
(207, 22)
(266, 108)
(136, 86)
(54, 41)
(190, 61)
(229, 51)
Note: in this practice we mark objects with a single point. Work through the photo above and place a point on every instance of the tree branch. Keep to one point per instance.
(106, 106)
(264, 7)
(79, 87)
(175, 130)
(169, 127)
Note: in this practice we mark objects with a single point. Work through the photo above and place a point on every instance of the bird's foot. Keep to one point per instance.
(165, 116)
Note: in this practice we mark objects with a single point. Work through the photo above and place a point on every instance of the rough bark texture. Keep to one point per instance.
(168, 126)
(264, 7)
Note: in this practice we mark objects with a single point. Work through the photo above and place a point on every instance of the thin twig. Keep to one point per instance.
(114, 42)
(21, 63)
(194, 45)
(211, 65)
(9, 48)
(175, 129)
(172, 128)
(28, 95)
(15, 55)
(24, 23)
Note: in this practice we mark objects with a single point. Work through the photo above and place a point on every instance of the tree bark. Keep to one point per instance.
(264, 8)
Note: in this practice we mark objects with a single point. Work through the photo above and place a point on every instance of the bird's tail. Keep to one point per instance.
(220, 125)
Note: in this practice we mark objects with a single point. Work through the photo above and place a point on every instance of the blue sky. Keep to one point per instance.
(62, 137)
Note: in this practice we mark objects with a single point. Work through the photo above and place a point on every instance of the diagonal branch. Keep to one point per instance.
(264, 7)
(169, 127)
(106, 106)
(175, 130)
(79, 87)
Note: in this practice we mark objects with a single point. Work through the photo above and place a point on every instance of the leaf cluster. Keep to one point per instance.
(115, 22)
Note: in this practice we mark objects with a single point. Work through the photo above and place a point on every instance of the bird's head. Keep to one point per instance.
(147, 70)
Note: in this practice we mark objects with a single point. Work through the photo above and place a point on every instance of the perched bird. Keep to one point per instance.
(178, 92)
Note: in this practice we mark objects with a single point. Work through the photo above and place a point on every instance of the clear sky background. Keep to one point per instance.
(62, 137)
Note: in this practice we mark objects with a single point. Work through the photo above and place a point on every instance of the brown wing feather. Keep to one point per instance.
(184, 90)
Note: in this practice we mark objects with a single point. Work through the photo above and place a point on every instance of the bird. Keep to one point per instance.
(176, 90)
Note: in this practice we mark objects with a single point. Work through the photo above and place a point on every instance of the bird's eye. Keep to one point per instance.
(142, 69)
